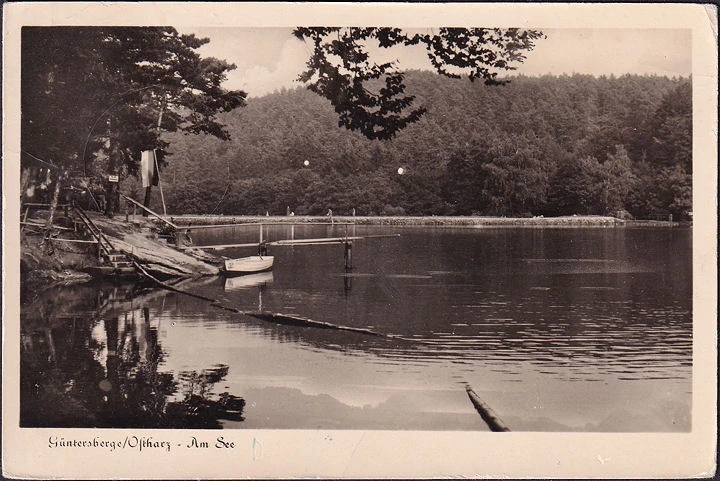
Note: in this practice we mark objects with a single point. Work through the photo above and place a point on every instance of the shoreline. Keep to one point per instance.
(447, 221)
(136, 237)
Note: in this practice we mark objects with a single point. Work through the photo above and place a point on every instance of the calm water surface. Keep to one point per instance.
(555, 329)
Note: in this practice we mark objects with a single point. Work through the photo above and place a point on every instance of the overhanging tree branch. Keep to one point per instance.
(478, 53)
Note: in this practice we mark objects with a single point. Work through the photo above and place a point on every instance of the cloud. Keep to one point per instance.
(270, 58)
(266, 58)
(272, 74)
(611, 51)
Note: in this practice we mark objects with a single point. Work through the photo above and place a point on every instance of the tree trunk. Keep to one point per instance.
(111, 199)
(24, 181)
(54, 203)
(47, 245)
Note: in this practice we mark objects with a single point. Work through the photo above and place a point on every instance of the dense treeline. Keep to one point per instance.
(94, 97)
(537, 146)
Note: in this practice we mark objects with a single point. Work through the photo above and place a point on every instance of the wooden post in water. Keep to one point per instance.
(486, 412)
(348, 255)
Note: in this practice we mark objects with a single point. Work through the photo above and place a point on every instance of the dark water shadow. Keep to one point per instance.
(91, 357)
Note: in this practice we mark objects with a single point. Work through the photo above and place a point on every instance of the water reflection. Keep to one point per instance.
(92, 361)
(250, 280)
(581, 333)
(556, 330)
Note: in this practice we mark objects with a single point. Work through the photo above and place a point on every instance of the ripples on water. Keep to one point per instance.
(588, 323)
(615, 336)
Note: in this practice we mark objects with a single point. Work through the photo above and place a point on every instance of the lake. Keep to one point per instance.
(556, 329)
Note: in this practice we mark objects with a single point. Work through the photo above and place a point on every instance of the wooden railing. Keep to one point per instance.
(104, 245)
(149, 211)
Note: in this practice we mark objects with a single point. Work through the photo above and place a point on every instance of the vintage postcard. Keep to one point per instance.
(349, 240)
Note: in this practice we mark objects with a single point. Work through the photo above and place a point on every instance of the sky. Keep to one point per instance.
(268, 59)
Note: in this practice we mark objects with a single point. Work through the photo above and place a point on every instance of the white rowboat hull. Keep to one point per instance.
(248, 265)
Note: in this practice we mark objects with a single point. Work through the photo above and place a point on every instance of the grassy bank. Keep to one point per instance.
(465, 221)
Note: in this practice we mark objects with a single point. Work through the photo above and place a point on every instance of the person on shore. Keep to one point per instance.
(184, 239)
(100, 197)
(187, 238)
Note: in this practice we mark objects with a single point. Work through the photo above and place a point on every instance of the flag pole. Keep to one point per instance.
(157, 167)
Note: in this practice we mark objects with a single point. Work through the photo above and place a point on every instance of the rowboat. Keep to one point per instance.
(263, 262)
(248, 265)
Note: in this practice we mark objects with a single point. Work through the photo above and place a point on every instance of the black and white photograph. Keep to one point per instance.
(345, 227)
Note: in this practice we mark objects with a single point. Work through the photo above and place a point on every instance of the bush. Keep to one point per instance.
(622, 214)
(392, 210)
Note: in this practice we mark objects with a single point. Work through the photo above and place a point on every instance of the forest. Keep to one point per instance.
(552, 145)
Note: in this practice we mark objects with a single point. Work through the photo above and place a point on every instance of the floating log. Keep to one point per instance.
(486, 412)
(278, 318)
(292, 320)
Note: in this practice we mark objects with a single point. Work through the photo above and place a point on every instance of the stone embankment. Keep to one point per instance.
(450, 221)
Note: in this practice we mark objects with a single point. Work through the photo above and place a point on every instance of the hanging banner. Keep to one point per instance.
(147, 167)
